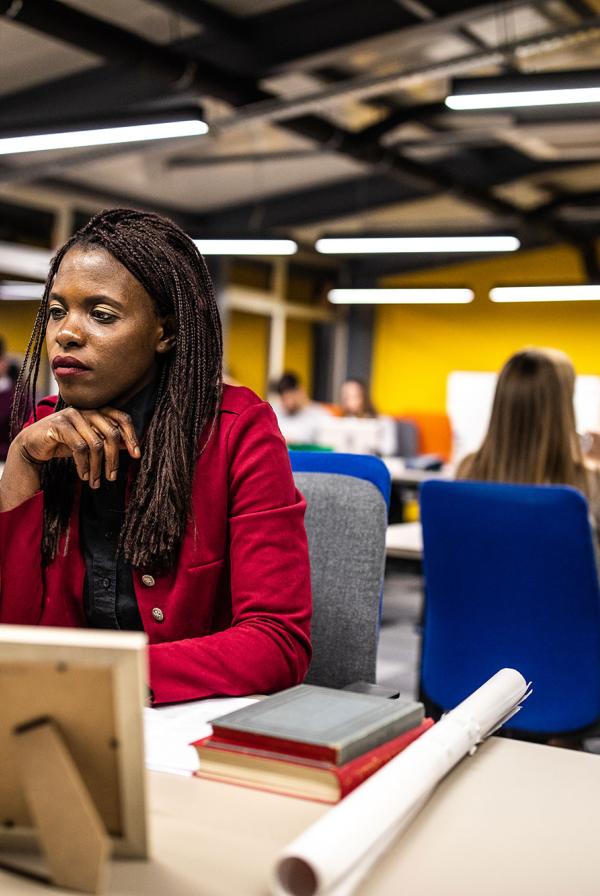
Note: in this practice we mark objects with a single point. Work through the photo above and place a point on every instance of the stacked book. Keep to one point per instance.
(310, 742)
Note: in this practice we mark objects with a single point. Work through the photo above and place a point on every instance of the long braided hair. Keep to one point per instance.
(169, 267)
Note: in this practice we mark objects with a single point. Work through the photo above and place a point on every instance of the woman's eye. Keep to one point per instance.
(56, 313)
(103, 316)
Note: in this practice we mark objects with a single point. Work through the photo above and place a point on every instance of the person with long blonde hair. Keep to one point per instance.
(531, 438)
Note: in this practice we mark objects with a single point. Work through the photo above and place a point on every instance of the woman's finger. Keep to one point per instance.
(113, 441)
(94, 445)
(128, 432)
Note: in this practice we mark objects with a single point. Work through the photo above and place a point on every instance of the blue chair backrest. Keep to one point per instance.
(511, 580)
(361, 466)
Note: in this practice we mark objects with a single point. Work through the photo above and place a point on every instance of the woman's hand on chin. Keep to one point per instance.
(93, 438)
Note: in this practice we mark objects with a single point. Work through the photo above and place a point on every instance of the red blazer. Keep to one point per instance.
(235, 612)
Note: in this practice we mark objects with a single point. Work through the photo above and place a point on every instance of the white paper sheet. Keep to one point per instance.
(332, 856)
(169, 731)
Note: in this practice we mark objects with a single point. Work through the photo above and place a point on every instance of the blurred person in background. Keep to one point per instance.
(531, 438)
(355, 401)
(299, 418)
(7, 393)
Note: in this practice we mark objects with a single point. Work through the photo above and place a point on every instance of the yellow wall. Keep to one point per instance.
(299, 350)
(416, 347)
(247, 350)
(16, 324)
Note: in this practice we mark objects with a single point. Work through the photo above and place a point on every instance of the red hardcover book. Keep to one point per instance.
(293, 775)
(323, 724)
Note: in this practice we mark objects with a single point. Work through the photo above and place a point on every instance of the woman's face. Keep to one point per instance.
(352, 398)
(103, 331)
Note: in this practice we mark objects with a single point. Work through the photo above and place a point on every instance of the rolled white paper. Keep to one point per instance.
(332, 856)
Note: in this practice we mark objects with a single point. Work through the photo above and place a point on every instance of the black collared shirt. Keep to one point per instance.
(109, 599)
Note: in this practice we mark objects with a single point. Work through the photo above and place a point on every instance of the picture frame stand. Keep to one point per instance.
(72, 835)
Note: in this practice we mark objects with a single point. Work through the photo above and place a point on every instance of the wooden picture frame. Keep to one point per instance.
(90, 687)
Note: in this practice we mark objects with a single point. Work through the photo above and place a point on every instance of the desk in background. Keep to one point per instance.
(404, 541)
(412, 478)
(517, 818)
(406, 482)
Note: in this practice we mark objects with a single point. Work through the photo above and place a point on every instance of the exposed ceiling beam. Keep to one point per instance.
(309, 206)
(313, 27)
(579, 199)
(223, 36)
(581, 7)
(80, 30)
(241, 158)
(314, 30)
(418, 176)
(158, 62)
(102, 197)
(363, 87)
(286, 210)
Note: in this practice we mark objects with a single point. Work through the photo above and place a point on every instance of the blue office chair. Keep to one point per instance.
(511, 580)
(361, 466)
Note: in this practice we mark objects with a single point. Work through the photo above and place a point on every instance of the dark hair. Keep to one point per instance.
(169, 267)
(2, 347)
(287, 382)
(531, 436)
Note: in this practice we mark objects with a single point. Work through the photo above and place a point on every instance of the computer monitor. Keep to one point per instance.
(352, 435)
(71, 703)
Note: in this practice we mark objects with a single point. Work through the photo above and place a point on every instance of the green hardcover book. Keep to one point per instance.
(318, 723)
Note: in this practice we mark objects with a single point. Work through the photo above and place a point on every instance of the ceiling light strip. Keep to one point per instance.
(24, 261)
(102, 136)
(421, 244)
(567, 293)
(247, 247)
(18, 291)
(424, 296)
(514, 99)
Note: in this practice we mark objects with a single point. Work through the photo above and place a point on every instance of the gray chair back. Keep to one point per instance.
(346, 520)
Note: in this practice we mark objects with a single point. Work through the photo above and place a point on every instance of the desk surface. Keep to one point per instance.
(412, 478)
(516, 818)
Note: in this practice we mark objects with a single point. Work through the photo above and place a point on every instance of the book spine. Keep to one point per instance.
(372, 739)
(358, 770)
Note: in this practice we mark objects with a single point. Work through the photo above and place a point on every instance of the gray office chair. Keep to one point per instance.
(346, 520)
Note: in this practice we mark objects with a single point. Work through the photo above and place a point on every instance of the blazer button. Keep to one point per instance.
(148, 580)
(157, 614)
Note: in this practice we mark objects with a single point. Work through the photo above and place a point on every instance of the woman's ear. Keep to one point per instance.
(167, 334)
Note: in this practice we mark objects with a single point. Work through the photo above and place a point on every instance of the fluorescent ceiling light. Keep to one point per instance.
(401, 296)
(18, 291)
(127, 133)
(575, 293)
(24, 261)
(247, 247)
(518, 98)
(517, 91)
(424, 244)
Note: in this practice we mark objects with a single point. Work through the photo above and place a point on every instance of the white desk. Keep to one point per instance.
(516, 819)
(403, 475)
(404, 540)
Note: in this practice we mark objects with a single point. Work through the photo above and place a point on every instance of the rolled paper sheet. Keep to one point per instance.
(332, 856)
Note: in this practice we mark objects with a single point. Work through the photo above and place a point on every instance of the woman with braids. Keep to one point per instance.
(147, 495)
